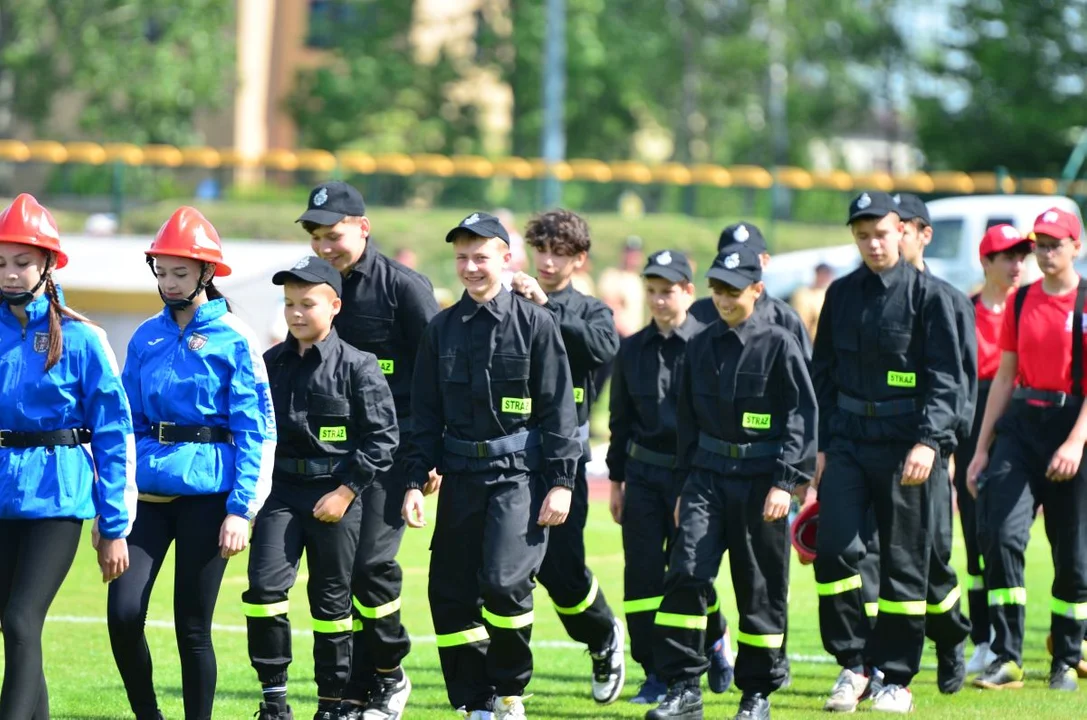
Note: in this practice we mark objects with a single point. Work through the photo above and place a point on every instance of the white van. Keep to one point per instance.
(958, 224)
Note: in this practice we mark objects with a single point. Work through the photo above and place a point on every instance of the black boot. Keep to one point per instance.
(683, 702)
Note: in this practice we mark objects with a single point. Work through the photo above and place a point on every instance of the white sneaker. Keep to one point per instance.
(476, 714)
(982, 658)
(846, 692)
(894, 699)
(509, 707)
(609, 668)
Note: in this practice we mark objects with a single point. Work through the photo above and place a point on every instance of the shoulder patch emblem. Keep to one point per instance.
(41, 342)
(197, 341)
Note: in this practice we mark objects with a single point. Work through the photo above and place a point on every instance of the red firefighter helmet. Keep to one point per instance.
(188, 234)
(804, 531)
(26, 222)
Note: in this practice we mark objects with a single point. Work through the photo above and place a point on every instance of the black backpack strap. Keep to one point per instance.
(1077, 339)
(1020, 298)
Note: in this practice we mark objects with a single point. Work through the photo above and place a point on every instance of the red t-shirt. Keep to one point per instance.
(988, 330)
(1045, 345)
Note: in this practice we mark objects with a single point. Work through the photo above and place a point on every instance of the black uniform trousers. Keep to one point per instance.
(721, 514)
(649, 528)
(575, 592)
(1012, 488)
(977, 599)
(486, 549)
(859, 476)
(380, 639)
(284, 528)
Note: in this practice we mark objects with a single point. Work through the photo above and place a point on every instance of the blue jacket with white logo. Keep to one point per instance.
(211, 373)
(83, 390)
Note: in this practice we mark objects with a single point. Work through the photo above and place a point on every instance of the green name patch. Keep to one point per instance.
(517, 406)
(579, 395)
(901, 379)
(755, 421)
(333, 434)
(387, 366)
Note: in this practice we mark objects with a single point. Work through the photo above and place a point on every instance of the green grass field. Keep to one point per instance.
(83, 681)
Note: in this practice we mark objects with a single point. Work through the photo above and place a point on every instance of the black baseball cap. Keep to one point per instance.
(737, 265)
(873, 204)
(910, 207)
(671, 265)
(742, 232)
(332, 202)
(311, 269)
(482, 224)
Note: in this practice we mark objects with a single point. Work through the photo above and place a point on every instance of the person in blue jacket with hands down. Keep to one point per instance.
(63, 391)
(206, 435)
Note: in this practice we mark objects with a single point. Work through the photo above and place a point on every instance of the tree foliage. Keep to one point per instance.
(143, 68)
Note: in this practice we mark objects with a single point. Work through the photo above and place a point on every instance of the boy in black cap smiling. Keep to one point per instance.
(778, 311)
(338, 432)
(746, 420)
(641, 456)
(887, 368)
(386, 308)
(493, 405)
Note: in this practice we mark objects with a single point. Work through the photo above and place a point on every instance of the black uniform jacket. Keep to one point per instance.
(332, 403)
(386, 308)
(746, 385)
(591, 340)
(488, 371)
(644, 389)
(777, 311)
(884, 337)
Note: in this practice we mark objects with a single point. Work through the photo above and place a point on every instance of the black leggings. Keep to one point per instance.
(194, 522)
(36, 557)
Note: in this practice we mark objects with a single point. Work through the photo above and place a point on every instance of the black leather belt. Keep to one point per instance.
(738, 451)
(984, 385)
(498, 447)
(167, 433)
(882, 408)
(310, 467)
(50, 438)
(1052, 398)
(650, 457)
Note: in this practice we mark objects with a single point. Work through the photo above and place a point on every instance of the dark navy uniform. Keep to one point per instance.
(493, 410)
(337, 426)
(747, 421)
(642, 454)
(588, 332)
(887, 369)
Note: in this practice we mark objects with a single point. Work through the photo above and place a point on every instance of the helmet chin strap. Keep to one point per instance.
(18, 299)
(181, 303)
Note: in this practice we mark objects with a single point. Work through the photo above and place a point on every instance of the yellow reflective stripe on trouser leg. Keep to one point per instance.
(375, 613)
(684, 622)
(464, 637)
(263, 611)
(838, 586)
(772, 642)
(977, 582)
(1008, 596)
(902, 607)
(513, 622)
(1073, 611)
(582, 606)
(871, 609)
(356, 625)
(642, 605)
(328, 627)
(948, 602)
(715, 607)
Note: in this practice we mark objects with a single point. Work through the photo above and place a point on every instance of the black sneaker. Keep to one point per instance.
(271, 712)
(328, 714)
(754, 706)
(388, 698)
(1062, 677)
(683, 702)
(609, 668)
(950, 668)
(350, 711)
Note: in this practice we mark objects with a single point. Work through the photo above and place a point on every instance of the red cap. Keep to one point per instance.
(804, 531)
(1058, 223)
(999, 238)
